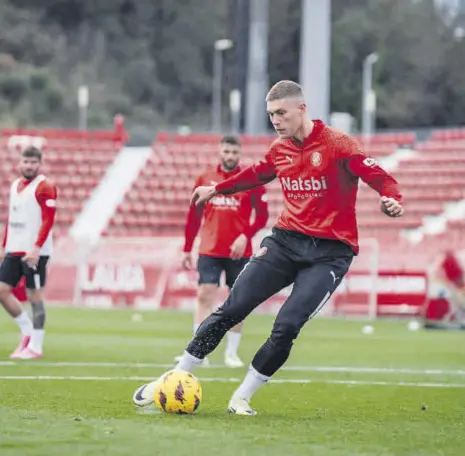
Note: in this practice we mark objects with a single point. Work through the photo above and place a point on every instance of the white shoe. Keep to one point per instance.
(240, 407)
(232, 360)
(144, 396)
(205, 362)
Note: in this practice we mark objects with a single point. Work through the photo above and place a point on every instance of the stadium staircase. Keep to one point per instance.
(111, 190)
(441, 168)
(433, 183)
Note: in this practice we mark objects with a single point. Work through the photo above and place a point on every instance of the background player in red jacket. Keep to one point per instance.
(225, 238)
(26, 248)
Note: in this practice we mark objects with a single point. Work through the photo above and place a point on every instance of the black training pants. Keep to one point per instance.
(315, 266)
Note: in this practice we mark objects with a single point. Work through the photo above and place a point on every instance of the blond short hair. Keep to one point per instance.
(285, 89)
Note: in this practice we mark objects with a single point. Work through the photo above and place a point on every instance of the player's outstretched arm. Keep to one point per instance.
(251, 177)
(370, 172)
(193, 223)
(376, 177)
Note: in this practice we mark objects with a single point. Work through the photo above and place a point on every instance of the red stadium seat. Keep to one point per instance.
(75, 160)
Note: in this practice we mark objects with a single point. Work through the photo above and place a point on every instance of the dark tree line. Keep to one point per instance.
(151, 60)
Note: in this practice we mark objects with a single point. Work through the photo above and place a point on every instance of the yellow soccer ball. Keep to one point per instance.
(179, 392)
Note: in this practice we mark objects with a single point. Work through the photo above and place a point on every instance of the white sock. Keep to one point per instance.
(188, 362)
(196, 327)
(24, 323)
(233, 340)
(37, 340)
(252, 381)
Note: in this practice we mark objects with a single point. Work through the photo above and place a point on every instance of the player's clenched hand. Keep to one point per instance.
(203, 194)
(391, 207)
(238, 247)
(32, 257)
(187, 260)
(2, 254)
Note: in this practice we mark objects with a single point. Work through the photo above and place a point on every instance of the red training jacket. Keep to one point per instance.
(225, 217)
(319, 178)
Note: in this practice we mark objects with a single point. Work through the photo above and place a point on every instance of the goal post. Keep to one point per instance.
(375, 287)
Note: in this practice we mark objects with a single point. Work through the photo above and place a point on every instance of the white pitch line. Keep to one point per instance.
(343, 369)
(374, 383)
(236, 380)
(97, 378)
(374, 370)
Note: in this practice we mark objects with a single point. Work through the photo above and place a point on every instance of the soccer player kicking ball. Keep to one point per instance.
(312, 244)
(27, 245)
(225, 243)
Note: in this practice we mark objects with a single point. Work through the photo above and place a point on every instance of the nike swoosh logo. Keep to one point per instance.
(139, 396)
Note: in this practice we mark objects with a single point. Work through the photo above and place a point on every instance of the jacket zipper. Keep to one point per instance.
(302, 156)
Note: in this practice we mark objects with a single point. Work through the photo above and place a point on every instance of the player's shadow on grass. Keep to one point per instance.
(223, 416)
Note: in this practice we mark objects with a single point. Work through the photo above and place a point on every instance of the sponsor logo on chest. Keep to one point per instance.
(313, 187)
(297, 180)
(226, 202)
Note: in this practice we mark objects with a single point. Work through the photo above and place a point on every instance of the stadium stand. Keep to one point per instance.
(75, 160)
(169, 175)
(172, 168)
(156, 204)
(431, 174)
(438, 176)
(430, 179)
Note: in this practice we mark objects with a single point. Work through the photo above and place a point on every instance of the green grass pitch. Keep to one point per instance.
(394, 392)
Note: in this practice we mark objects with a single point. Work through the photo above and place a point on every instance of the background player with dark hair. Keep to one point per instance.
(26, 248)
(313, 242)
(226, 233)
